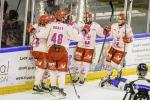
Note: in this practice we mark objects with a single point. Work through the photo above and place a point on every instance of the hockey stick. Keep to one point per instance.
(125, 35)
(73, 84)
(124, 62)
(18, 5)
(110, 3)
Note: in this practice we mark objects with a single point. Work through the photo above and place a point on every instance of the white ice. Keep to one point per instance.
(89, 91)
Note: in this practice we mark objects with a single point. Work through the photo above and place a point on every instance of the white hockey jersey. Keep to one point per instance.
(90, 37)
(38, 40)
(61, 34)
(117, 33)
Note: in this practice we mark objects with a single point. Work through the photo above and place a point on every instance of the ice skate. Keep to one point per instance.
(37, 90)
(105, 82)
(75, 80)
(62, 94)
(44, 87)
(81, 82)
(54, 91)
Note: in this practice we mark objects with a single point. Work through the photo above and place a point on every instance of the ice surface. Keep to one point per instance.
(89, 91)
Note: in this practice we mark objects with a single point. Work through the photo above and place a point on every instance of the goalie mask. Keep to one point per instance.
(87, 18)
(142, 69)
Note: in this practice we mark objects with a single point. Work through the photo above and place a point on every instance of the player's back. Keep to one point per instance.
(58, 34)
(38, 39)
(142, 84)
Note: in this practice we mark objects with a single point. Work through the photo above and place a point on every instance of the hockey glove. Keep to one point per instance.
(107, 31)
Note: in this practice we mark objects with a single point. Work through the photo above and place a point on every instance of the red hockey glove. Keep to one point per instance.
(86, 28)
(107, 30)
(127, 39)
(30, 28)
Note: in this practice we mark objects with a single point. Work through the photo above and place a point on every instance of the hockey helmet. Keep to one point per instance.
(87, 17)
(122, 16)
(60, 15)
(44, 19)
(142, 69)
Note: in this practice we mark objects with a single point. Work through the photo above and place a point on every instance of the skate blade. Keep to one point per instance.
(36, 92)
(54, 94)
(57, 95)
(61, 97)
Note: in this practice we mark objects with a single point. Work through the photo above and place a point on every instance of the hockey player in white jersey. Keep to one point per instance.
(38, 39)
(46, 74)
(138, 89)
(58, 42)
(122, 36)
(85, 50)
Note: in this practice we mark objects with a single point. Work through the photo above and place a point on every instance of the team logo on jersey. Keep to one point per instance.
(63, 66)
(40, 63)
(51, 64)
(88, 57)
(78, 54)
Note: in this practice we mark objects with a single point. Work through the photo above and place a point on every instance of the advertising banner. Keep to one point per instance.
(16, 68)
(138, 52)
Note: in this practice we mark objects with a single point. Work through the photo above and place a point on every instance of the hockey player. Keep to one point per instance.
(137, 89)
(122, 36)
(58, 43)
(46, 74)
(85, 50)
(39, 50)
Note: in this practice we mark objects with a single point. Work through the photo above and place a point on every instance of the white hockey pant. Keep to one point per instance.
(45, 76)
(57, 75)
(38, 75)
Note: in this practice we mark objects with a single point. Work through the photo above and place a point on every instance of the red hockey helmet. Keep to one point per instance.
(44, 19)
(59, 15)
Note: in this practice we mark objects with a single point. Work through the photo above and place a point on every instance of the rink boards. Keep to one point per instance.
(17, 65)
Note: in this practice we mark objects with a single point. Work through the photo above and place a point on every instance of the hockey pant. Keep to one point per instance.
(57, 75)
(81, 68)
